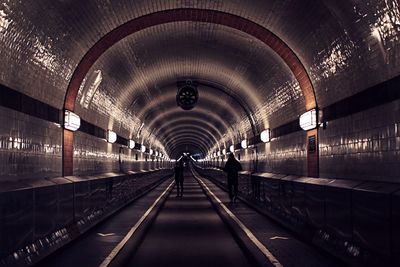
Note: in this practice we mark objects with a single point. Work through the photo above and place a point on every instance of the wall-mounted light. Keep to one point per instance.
(72, 121)
(308, 120)
(111, 136)
(244, 143)
(131, 144)
(143, 149)
(224, 151)
(265, 135)
(232, 148)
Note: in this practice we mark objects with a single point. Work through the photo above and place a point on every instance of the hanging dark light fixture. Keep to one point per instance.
(187, 96)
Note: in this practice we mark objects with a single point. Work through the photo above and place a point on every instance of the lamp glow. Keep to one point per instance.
(219, 153)
(143, 149)
(151, 151)
(308, 120)
(111, 136)
(232, 148)
(72, 121)
(244, 143)
(156, 153)
(131, 144)
(224, 151)
(265, 135)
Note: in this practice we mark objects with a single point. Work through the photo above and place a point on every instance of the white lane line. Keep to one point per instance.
(121, 244)
(104, 235)
(279, 237)
(271, 258)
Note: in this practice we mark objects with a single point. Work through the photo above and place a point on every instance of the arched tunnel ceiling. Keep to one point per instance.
(339, 42)
(141, 73)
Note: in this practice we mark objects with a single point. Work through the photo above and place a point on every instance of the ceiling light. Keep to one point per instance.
(265, 135)
(244, 143)
(72, 121)
(232, 148)
(131, 144)
(111, 136)
(308, 120)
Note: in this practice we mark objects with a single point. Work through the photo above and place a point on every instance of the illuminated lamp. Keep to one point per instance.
(72, 121)
(232, 148)
(266, 135)
(151, 151)
(244, 143)
(111, 136)
(143, 149)
(308, 120)
(224, 151)
(156, 153)
(131, 144)
(219, 153)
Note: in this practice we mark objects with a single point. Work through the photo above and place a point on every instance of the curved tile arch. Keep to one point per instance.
(195, 113)
(191, 14)
(181, 147)
(171, 96)
(187, 121)
(189, 135)
(198, 130)
(186, 138)
(205, 139)
(187, 124)
(187, 141)
(204, 87)
(175, 15)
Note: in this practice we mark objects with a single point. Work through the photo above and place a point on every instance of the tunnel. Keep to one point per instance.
(199, 133)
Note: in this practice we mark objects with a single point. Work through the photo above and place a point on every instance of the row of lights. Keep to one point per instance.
(265, 137)
(72, 122)
(307, 121)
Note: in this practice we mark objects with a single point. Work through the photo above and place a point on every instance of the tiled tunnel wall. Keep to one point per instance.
(29, 148)
(363, 146)
(285, 154)
(94, 155)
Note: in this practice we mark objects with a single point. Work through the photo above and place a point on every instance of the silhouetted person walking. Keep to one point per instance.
(179, 178)
(232, 167)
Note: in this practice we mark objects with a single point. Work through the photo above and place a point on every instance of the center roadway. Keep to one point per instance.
(188, 232)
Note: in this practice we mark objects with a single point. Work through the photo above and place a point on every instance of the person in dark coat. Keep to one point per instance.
(179, 178)
(232, 167)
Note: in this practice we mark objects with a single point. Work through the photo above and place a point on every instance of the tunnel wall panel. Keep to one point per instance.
(354, 220)
(285, 154)
(38, 219)
(29, 147)
(94, 155)
(17, 219)
(352, 147)
(45, 211)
